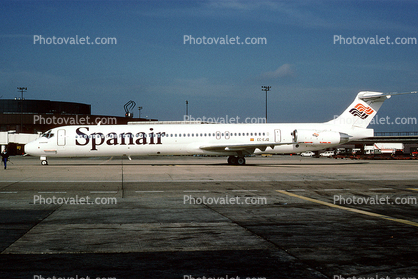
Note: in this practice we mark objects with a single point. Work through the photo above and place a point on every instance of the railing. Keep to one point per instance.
(395, 134)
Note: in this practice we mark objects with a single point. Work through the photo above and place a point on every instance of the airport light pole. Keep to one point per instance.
(266, 88)
(21, 89)
(187, 109)
(139, 109)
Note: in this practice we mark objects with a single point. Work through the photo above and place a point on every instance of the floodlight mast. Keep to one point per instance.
(139, 109)
(266, 88)
(21, 89)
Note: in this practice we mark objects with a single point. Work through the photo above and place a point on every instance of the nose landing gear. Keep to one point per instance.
(44, 162)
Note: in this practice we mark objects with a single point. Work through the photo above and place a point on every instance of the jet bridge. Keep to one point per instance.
(11, 137)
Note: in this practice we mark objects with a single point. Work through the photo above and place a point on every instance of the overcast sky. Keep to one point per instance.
(312, 78)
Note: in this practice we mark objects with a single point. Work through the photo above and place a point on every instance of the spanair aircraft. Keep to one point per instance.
(197, 138)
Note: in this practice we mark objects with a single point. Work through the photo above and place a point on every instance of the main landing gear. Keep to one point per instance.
(234, 160)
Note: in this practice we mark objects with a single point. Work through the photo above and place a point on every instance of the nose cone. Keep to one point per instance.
(31, 148)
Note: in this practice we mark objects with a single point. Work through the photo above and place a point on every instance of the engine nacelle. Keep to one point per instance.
(317, 138)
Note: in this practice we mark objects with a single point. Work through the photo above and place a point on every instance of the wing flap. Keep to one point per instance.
(242, 147)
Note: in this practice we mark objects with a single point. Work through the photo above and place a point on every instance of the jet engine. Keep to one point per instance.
(313, 137)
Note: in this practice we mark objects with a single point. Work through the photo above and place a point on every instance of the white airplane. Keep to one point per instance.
(197, 138)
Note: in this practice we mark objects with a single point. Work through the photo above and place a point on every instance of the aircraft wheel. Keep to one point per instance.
(44, 162)
(241, 161)
(232, 160)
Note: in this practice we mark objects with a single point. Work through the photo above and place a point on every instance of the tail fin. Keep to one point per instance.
(361, 112)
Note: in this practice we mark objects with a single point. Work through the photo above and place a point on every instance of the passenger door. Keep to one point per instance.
(61, 137)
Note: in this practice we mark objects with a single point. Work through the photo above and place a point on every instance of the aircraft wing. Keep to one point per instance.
(248, 147)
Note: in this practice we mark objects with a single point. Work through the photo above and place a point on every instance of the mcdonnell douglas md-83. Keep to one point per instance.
(192, 138)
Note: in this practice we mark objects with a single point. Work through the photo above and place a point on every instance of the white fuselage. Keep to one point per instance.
(189, 139)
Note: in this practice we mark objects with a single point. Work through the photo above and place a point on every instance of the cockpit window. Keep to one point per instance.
(48, 134)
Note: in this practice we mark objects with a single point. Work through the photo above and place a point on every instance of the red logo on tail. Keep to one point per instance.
(361, 111)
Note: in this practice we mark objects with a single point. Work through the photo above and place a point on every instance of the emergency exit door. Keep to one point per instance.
(277, 136)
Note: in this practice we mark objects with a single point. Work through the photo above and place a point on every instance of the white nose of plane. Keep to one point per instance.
(31, 148)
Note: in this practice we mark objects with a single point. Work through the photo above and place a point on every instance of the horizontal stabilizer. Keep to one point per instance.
(368, 95)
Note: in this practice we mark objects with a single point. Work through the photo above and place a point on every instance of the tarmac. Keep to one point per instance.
(198, 217)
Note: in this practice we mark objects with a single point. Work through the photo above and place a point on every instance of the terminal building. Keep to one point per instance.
(22, 120)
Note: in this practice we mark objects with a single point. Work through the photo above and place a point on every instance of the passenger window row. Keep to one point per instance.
(158, 135)
(214, 135)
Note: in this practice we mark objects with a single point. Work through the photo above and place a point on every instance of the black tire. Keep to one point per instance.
(241, 161)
